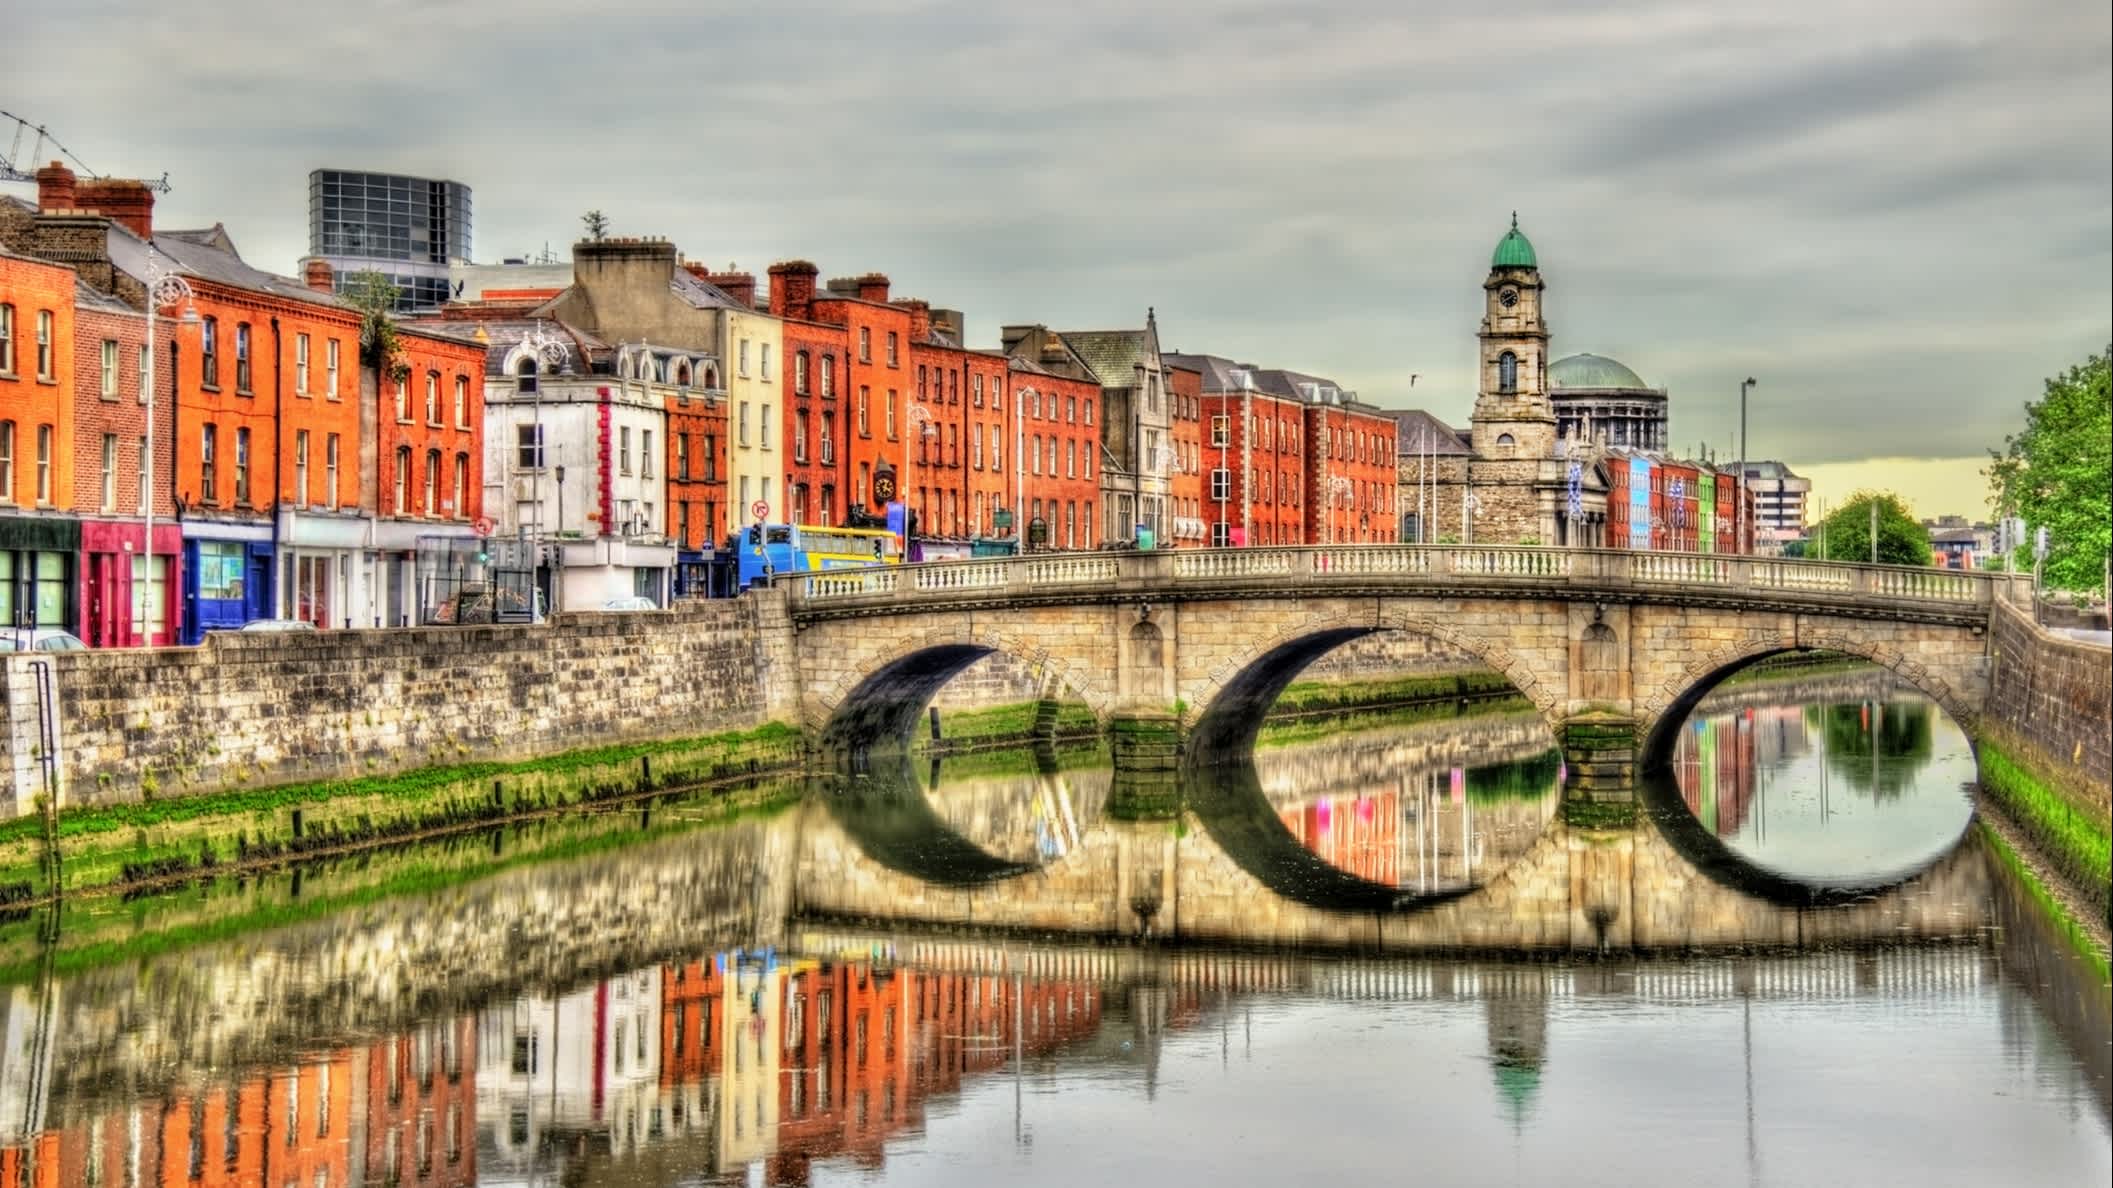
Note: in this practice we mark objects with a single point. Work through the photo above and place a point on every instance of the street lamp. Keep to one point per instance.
(165, 287)
(1742, 544)
(1020, 397)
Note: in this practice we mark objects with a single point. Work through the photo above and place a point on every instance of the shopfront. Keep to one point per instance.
(38, 572)
(323, 569)
(227, 579)
(117, 598)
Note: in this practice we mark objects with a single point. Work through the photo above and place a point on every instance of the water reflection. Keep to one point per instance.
(1856, 785)
(917, 974)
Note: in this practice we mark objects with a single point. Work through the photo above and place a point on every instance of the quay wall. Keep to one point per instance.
(2055, 695)
(264, 709)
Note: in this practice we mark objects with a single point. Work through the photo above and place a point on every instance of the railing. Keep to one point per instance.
(1559, 572)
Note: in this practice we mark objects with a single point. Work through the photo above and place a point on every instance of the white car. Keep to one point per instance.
(636, 602)
(40, 639)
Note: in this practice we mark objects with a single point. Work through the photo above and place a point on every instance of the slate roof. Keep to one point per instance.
(1217, 369)
(505, 333)
(1028, 348)
(1417, 432)
(207, 255)
(1113, 355)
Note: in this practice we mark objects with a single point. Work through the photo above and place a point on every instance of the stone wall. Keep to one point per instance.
(273, 708)
(2055, 694)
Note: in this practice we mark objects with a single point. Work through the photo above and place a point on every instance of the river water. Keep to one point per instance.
(1400, 951)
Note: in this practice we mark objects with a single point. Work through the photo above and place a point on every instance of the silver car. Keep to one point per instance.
(40, 639)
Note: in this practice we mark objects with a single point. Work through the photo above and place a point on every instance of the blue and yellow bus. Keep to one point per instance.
(765, 549)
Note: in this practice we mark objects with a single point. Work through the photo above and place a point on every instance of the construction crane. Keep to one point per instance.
(18, 168)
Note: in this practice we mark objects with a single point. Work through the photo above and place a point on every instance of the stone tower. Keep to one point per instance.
(1513, 416)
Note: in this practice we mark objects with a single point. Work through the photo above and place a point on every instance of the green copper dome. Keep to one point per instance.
(1592, 371)
(1513, 251)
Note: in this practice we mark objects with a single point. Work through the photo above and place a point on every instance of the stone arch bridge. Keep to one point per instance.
(1612, 647)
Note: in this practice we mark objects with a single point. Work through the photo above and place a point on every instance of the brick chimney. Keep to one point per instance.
(741, 286)
(920, 318)
(316, 275)
(873, 286)
(55, 189)
(792, 289)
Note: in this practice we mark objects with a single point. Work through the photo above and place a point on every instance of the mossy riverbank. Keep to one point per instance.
(2061, 824)
(160, 838)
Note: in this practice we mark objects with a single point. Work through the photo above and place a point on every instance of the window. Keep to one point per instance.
(799, 372)
(142, 374)
(764, 360)
(894, 357)
(300, 467)
(330, 359)
(828, 445)
(242, 375)
(1089, 411)
(7, 340)
(865, 398)
(763, 428)
(109, 500)
(744, 357)
(432, 484)
(241, 466)
(799, 435)
(432, 398)
(209, 353)
(865, 344)
(975, 449)
(645, 453)
(300, 365)
(828, 375)
(708, 462)
(1507, 372)
(528, 447)
(403, 480)
(623, 449)
(1071, 459)
(525, 374)
(109, 390)
(997, 451)
(44, 345)
(742, 427)
(976, 391)
(462, 402)
(140, 459)
(208, 443)
(682, 455)
(889, 411)
(460, 506)
(330, 456)
(1221, 431)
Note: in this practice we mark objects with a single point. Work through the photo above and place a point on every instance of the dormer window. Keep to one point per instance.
(525, 374)
(682, 373)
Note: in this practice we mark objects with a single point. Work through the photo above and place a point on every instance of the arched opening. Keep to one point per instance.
(1507, 372)
(886, 811)
(1810, 776)
(981, 693)
(1599, 664)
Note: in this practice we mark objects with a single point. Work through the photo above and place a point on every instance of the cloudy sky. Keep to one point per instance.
(1894, 216)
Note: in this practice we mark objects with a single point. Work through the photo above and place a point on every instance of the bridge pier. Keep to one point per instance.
(1146, 747)
(1601, 754)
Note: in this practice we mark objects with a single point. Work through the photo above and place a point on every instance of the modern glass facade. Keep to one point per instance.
(408, 228)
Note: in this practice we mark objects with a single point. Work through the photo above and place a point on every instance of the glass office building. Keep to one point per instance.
(407, 228)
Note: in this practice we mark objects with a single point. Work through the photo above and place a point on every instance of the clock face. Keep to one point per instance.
(1508, 298)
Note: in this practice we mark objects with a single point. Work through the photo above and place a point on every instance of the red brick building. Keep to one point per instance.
(1254, 469)
(1186, 524)
(1351, 472)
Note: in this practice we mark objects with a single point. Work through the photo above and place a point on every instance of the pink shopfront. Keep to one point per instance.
(117, 599)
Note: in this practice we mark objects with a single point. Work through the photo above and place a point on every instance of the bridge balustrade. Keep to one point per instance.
(1553, 570)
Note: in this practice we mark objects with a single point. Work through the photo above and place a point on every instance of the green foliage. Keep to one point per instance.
(1877, 749)
(374, 295)
(2076, 844)
(1902, 540)
(597, 225)
(2057, 473)
(1794, 550)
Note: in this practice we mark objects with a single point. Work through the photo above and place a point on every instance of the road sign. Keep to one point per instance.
(483, 526)
(759, 509)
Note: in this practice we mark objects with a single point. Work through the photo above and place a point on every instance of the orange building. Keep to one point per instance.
(39, 537)
(1351, 471)
(1185, 477)
(421, 1098)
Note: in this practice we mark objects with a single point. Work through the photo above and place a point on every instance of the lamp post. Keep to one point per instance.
(165, 286)
(1020, 397)
(1742, 544)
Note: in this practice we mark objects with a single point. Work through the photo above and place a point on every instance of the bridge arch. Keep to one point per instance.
(1229, 701)
(883, 695)
(1660, 715)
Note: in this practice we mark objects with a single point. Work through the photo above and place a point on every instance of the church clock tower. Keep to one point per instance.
(1513, 416)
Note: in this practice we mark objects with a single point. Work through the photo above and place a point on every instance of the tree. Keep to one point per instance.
(374, 295)
(597, 225)
(2057, 474)
(1901, 539)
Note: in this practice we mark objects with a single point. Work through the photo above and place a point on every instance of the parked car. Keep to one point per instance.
(481, 604)
(635, 602)
(278, 625)
(40, 639)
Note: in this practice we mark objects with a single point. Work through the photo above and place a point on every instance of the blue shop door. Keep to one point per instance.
(222, 583)
(257, 600)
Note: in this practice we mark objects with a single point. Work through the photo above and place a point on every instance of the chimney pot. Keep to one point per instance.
(316, 275)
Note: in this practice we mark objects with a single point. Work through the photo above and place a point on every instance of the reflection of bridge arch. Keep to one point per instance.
(1662, 710)
(1234, 695)
(882, 705)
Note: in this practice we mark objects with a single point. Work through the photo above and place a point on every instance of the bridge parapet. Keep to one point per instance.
(1901, 592)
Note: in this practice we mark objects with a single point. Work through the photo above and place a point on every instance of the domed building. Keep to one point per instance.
(1598, 399)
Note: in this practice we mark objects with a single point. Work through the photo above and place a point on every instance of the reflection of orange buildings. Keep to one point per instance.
(1355, 833)
(422, 1107)
(285, 1127)
(689, 1021)
(865, 1045)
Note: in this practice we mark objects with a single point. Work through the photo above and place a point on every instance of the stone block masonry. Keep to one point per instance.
(2055, 695)
(264, 709)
